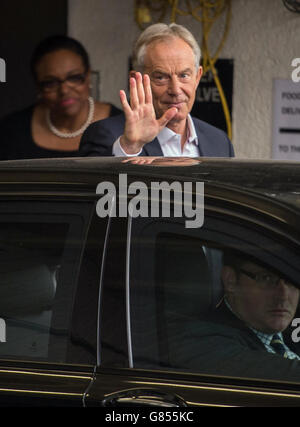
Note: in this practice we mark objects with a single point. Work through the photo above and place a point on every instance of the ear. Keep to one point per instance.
(199, 75)
(229, 278)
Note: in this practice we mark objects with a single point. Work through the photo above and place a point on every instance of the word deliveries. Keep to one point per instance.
(152, 200)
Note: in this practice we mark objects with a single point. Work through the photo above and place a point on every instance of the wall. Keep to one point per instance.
(107, 29)
(263, 39)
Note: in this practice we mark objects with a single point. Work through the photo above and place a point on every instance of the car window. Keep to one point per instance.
(175, 290)
(40, 245)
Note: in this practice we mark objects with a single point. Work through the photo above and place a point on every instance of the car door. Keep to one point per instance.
(160, 282)
(49, 279)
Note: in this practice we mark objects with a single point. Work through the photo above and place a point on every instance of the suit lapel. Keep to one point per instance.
(225, 316)
(153, 148)
(204, 146)
(287, 337)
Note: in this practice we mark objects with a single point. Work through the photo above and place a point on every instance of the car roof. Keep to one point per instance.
(273, 178)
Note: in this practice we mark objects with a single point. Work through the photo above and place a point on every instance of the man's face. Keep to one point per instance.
(173, 75)
(264, 307)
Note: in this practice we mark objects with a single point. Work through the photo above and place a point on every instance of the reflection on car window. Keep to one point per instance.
(192, 309)
(36, 255)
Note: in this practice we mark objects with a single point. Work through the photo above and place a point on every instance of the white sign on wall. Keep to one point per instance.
(286, 120)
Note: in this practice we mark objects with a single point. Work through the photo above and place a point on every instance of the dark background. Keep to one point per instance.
(23, 24)
(208, 105)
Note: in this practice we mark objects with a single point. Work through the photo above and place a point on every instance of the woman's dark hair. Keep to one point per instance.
(58, 42)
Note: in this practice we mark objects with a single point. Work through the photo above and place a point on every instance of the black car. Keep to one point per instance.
(107, 270)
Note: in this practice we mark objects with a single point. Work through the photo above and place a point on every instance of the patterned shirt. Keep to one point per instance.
(266, 340)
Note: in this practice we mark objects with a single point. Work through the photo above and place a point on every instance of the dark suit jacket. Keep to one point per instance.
(223, 345)
(99, 137)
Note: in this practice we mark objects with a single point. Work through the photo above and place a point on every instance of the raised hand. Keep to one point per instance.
(141, 124)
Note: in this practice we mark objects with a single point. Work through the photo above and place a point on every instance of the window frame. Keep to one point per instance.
(56, 210)
(266, 227)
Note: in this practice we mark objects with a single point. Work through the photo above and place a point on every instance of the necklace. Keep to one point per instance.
(78, 132)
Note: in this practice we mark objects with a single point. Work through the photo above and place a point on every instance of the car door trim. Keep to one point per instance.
(128, 320)
(106, 240)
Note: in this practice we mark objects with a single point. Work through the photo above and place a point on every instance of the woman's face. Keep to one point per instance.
(63, 82)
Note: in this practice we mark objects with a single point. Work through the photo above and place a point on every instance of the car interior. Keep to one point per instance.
(182, 286)
(29, 270)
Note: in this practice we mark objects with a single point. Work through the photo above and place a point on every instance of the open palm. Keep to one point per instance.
(141, 124)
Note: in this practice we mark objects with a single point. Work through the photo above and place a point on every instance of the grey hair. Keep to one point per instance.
(161, 32)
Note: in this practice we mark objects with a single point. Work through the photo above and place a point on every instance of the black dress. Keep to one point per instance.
(16, 140)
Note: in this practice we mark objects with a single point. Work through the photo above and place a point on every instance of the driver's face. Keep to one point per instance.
(266, 308)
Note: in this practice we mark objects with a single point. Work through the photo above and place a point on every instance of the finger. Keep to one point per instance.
(134, 100)
(140, 88)
(143, 160)
(166, 117)
(129, 160)
(136, 161)
(149, 161)
(139, 160)
(147, 89)
(124, 102)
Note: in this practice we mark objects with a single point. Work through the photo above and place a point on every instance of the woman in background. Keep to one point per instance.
(54, 125)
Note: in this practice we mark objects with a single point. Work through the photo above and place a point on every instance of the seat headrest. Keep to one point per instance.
(184, 277)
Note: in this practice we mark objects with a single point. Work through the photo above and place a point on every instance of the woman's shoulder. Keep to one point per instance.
(103, 110)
